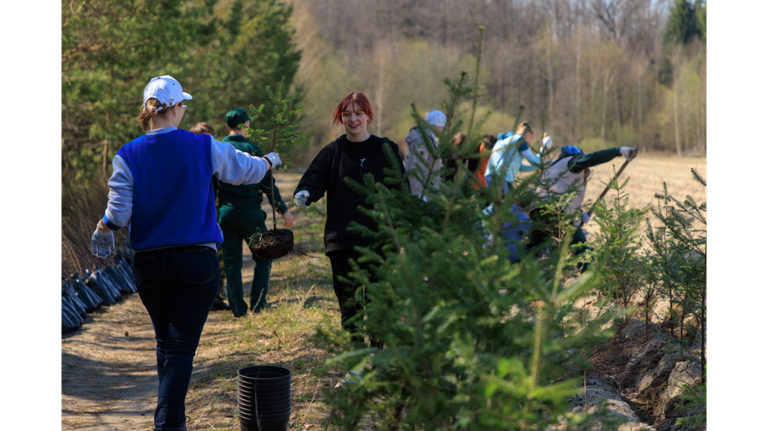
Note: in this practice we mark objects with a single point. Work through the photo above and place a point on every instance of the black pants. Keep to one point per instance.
(177, 286)
(345, 291)
(544, 227)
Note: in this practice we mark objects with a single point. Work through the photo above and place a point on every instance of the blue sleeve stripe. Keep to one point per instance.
(110, 224)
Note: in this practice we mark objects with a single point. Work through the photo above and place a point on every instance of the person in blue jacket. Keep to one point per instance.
(161, 186)
(506, 160)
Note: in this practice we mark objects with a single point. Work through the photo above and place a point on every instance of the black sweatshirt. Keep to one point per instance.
(336, 161)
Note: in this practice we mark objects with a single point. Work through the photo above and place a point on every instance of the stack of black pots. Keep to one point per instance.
(264, 398)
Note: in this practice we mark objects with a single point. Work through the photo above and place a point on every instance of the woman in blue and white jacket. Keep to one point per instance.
(161, 187)
(506, 160)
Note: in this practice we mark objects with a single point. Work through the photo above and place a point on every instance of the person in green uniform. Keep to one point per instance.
(240, 216)
(218, 303)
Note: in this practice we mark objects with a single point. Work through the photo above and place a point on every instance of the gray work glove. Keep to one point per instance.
(274, 160)
(300, 199)
(102, 242)
(629, 153)
(546, 143)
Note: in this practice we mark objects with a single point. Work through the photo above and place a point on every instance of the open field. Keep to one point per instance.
(646, 176)
(108, 366)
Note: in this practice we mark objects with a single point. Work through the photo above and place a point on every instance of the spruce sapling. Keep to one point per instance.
(618, 240)
(284, 136)
(680, 257)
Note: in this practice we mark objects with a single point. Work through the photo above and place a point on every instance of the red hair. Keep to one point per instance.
(354, 97)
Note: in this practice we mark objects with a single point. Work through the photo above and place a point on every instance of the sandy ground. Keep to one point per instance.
(108, 365)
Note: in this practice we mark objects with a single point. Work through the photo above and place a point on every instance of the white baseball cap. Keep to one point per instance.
(436, 118)
(165, 89)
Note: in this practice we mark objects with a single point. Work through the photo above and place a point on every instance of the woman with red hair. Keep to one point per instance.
(352, 155)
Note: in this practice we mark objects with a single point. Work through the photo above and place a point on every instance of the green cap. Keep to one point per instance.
(236, 117)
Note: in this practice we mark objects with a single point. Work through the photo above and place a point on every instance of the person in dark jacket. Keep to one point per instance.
(569, 173)
(352, 155)
(452, 162)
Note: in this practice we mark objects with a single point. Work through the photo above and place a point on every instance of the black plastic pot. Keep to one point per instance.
(91, 300)
(74, 304)
(69, 319)
(127, 272)
(108, 294)
(84, 301)
(264, 398)
(105, 277)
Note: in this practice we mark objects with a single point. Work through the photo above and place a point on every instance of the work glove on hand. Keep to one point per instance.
(102, 242)
(585, 217)
(274, 159)
(628, 152)
(300, 199)
(546, 143)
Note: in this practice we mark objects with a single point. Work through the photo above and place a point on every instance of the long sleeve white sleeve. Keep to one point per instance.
(528, 154)
(235, 167)
(120, 206)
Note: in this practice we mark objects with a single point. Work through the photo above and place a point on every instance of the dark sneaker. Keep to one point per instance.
(218, 306)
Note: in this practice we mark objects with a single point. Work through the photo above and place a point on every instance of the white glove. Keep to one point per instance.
(300, 199)
(102, 242)
(546, 143)
(629, 153)
(585, 217)
(274, 159)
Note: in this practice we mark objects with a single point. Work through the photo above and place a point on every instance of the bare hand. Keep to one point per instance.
(288, 219)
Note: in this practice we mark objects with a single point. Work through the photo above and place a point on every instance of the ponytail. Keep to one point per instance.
(524, 128)
(149, 111)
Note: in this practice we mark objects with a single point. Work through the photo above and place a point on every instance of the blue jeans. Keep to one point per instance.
(177, 286)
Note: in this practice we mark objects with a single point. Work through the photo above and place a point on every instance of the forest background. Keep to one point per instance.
(594, 73)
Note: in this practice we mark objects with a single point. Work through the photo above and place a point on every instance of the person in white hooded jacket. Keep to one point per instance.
(419, 159)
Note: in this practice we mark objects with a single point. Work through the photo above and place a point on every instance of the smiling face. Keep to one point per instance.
(355, 121)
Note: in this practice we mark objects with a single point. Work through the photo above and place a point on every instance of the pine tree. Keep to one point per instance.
(683, 23)
(108, 56)
(683, 26)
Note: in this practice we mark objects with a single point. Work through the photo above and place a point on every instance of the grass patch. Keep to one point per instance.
(300, 299)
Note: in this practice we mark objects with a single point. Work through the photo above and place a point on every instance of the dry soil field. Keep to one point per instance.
(646, 176)
(108, 365)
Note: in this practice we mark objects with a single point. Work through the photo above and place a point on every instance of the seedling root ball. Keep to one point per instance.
(273, 244)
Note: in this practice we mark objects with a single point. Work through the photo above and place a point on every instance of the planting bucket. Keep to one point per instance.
(264, 398)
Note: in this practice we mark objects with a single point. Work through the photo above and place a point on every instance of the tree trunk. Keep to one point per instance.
(379, 101)
(704, 318)
(578, 85)
(550, 78)
(640, 112)
(606, 84)
(677, 127)
(684, 108)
